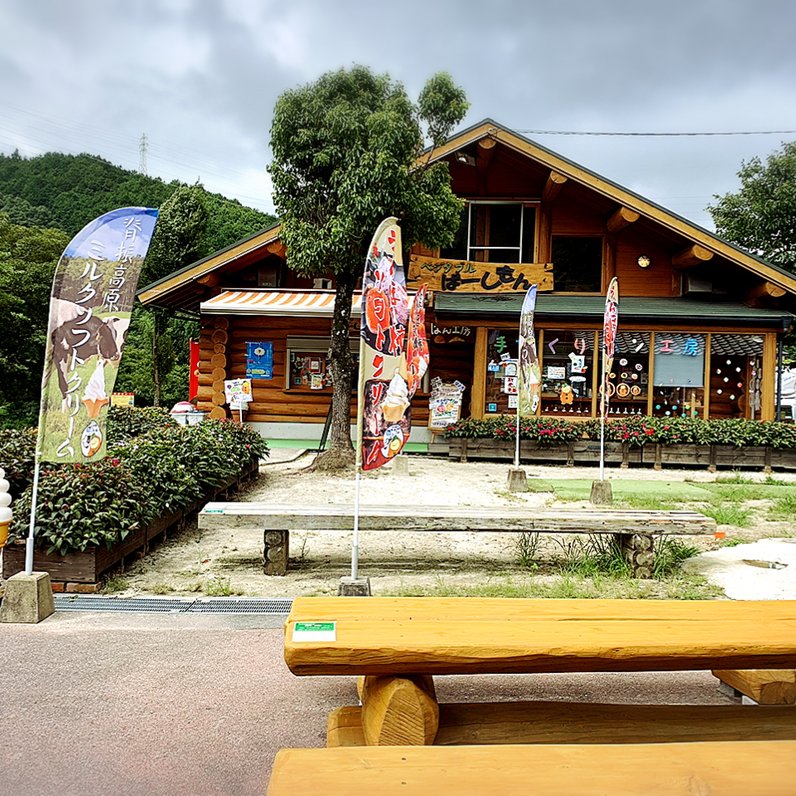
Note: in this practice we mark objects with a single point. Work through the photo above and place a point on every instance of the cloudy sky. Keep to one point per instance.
(200, 78)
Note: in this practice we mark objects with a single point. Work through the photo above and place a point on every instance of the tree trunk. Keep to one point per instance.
(341, 365)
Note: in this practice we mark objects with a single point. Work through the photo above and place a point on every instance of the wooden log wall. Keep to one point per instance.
(223, 356)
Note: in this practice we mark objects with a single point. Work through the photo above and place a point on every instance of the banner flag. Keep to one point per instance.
(610, 323)
(90, 306)
(417, 354)
(529, 379)
(384, 391)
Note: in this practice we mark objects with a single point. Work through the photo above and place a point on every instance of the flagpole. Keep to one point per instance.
(603, 404)
(33, 501)
(358, 453)
(517, 442)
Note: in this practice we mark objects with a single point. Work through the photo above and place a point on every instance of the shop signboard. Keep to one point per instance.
(467, 276)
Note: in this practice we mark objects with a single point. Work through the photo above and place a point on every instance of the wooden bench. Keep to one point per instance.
(635, 530)
(762, 686)
(398, 644)
(759, 768)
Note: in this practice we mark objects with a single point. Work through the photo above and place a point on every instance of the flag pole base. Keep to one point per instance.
(353, 587)
(601, 493)
(517, 480)
(400, 465)
(28, 598)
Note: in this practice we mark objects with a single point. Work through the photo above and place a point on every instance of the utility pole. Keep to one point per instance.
(142, 148)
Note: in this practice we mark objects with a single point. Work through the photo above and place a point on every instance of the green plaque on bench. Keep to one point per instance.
(315, 631)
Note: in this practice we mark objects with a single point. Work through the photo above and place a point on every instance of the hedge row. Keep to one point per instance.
(636, 431)
(153, 468)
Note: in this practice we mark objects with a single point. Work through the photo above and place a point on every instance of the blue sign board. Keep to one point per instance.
(259, 360)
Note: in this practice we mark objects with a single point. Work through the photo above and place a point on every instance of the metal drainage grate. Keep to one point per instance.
(80, 602)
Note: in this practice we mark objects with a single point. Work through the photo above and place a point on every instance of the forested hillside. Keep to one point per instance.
(68, 191)
(44, 202)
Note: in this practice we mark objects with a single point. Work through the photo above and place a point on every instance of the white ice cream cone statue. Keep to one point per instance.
(6, 515)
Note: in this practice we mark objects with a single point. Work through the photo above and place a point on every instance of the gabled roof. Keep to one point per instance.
(176, 287)
(488, 128)
(156, 291)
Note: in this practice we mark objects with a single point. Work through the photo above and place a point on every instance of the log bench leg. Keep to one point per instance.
(399, 711)
(639, 552)
(275, 552)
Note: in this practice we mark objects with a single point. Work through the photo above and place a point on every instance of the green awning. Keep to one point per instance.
(506, 306)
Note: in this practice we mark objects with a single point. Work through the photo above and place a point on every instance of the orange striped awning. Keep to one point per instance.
(297, 303)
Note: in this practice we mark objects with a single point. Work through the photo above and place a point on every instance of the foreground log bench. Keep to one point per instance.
(635, 530)
(762, 686)
(762, 768)
(398, 644)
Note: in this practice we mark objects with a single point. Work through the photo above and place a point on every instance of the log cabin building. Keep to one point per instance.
(700, 319)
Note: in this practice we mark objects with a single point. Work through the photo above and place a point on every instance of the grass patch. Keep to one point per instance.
(219, 587)
(784, 507)
(741, 492)
(733, 478)
(160, 587)
(571, 586)
(639, 491)
(729, 515)
(669, 555)
(115, 584)
(535, 485)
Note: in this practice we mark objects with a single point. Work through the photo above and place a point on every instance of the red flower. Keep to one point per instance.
(115, 462)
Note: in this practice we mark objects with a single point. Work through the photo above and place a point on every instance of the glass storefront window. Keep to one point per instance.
(735, 361)
(678, 375)
(567, 361)
(629, 378)
(501, 371)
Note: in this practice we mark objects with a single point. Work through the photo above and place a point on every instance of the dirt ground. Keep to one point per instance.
(229, 561)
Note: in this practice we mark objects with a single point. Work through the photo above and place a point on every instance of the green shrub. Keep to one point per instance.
(17, 448)
(125, 422)
(144, 476)
(81, 505)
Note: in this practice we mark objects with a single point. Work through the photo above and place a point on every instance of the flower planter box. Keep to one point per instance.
(689, 455)
(89, 565)
(751, 456)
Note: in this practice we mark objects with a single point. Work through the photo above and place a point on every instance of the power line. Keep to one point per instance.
(650, 135)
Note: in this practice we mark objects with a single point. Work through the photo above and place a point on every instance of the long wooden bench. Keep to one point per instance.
(762, 768)
(634, 529)
(397, 644)
(762, 686)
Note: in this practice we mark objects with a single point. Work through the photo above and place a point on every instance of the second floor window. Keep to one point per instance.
(495, 232)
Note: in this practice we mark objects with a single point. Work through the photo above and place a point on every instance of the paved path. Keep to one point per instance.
(166, 705)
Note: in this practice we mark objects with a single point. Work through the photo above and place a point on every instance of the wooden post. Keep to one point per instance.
(768, 377)
(478, 395)
(276, 549)
(399, 711)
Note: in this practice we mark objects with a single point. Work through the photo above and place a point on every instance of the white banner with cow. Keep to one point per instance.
(90, 306)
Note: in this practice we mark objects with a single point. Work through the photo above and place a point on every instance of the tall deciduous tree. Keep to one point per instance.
(346, 154)
(761, 216)
(155, 362)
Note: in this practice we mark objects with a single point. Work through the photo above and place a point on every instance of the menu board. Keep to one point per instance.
(444, 403)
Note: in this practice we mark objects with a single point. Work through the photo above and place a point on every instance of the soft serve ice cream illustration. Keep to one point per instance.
(396, 400)
(95, 396)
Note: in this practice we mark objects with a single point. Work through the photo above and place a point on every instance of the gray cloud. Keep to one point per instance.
(200, 77)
